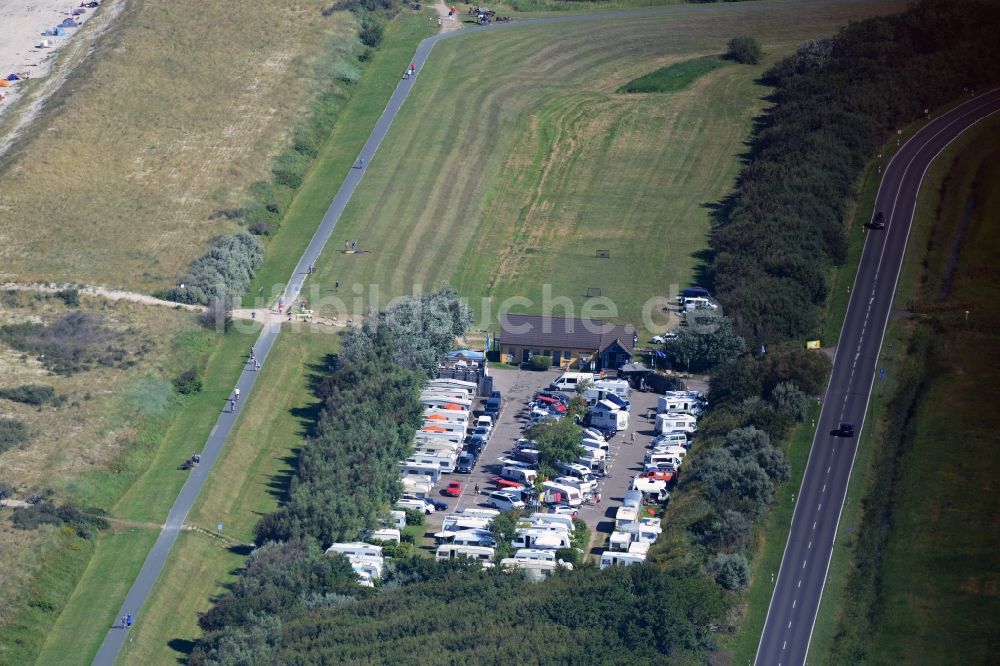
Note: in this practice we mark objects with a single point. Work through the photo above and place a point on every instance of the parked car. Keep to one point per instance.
(437, 504)
(563, 510)
(476, 444)
(507, 483)
(485, 431)
(454, 489)
(504, 501)
(660, 339)
(466, 463)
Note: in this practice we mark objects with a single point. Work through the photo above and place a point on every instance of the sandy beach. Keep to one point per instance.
(23, 24)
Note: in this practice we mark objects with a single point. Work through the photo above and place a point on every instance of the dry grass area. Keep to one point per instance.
(93, 424)
(179, 109)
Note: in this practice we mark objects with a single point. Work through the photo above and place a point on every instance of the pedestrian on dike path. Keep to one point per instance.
(232, 406)
(123, 621)
(252, 355)
(631, 436)
(236, 393)
(256, 365)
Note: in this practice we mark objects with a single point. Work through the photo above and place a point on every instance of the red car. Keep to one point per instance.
(454, 489)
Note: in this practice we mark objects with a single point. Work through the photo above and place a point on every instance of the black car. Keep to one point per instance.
(846, 429)
(437, 504)
(878, 222)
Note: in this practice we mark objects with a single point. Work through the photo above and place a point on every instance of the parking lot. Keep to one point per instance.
(624, 460)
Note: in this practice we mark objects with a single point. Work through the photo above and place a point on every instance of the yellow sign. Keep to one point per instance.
(812, 344)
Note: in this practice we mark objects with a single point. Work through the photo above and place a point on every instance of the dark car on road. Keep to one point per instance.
(878, 222)
(846, 429)
(466, 463)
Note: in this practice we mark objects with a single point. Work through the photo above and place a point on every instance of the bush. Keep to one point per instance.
(224, 270)
(730, 570)
(29, 394)
(13, 432)
(6, 490)
(74, 342)
(188, 382)
(71, 297)
(371, 34)
(745, 50)
(786, 397)
(539, 362)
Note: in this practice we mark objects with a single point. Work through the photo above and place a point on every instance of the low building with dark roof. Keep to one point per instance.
(570, 341)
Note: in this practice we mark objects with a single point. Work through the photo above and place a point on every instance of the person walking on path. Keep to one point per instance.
(252, 355)
(128, 620)
(236, 394)
(336, 285)
(477, 488)
(256, 365)
(631, 435)
(232, 406)
(123, 621)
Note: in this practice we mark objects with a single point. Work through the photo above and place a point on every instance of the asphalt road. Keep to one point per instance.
(806, 560)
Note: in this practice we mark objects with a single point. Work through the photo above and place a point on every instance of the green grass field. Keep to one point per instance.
(673, 78)
(937, 589)
(514, 161)
(247, 482)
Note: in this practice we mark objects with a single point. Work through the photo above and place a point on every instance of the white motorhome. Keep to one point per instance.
(397, 519)
(454, 437)
(662, 459)
(574, 469)
(367, 569)
(609, 419)
(447, 415)
(476, 537)
(436, 448)
(355, 549)
(390, 534)
(612, 559)
(570, 381)
(654, 489)
(418, 486)
(534, 570)
(619, 387)
(586, 488)
(519, 474)
(685, 405)
(674, 422)
(671, 438)
(632, 498)
(643, 531)
(591, 443)
(432, 472)
(557, 493)
(619, 541)
(437, 401)
(445, 426)
(477, 512)
(533, 537)
(444, 463)
(543, 519)
(535, 554)
(457, 523)
(447, 390)
(469, 387)
(450, 551)
(626, 515)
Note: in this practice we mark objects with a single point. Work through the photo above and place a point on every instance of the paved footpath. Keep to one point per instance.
(157, 557)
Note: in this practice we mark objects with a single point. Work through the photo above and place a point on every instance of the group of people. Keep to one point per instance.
(127, 620)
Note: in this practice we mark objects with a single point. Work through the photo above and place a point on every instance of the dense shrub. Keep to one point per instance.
(730, 570)
(708, 340)
(371, 34)
(71, 297)
(777, 237)
(29, 394)
(188, 382)
(745, 50)
(224, 270)
(13, 433)
(75, 342)
(539, 362)
(46, 513)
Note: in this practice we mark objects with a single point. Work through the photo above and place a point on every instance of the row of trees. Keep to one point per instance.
(836, 101)
(346, 479)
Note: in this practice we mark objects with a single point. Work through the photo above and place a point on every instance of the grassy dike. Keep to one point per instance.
(248, 481)
(931, 575)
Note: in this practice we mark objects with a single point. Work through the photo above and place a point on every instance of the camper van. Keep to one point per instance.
(591, 443)
(436, 448)
(397, 519)
(570, 381)
(671, 438)
(470, 388)
(594, 396)
(446, 464)
(450, 551)
(457, 522)
(519, 474)
(683, 404)
(626, 515)
(532, 537)
(477, 512)
(662, 459)
(586, 487)
(446, 415)
(547, 519)
(432, 472)
(414, 505)
(674, 422)
(556, 493)
(390, 534)
(645, 531)
(535, 554)
(613, 420)
(611, 558)
(576, 470)
(445, 436)
(619, 387)
(438, 401)
(652, 489)
(355, 549)
(445, 426)
(475, 537)
(418, 486)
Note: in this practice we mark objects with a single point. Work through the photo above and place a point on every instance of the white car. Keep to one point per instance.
(415, 505)
(504, 501)
(563, 510)
(663, 337)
